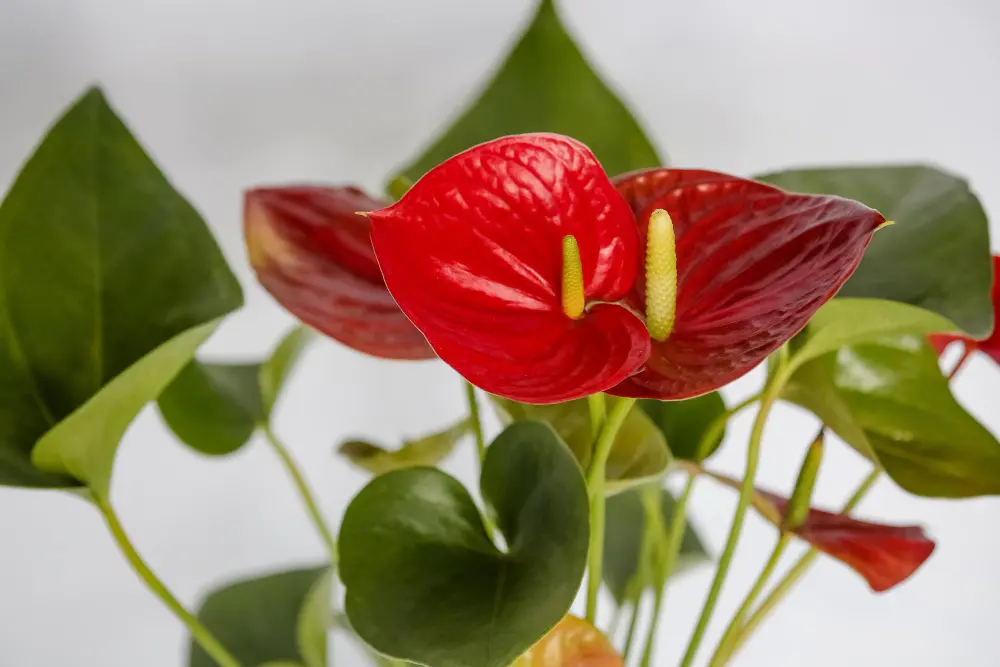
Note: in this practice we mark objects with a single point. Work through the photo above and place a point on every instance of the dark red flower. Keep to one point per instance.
(990, 346)
(473, 255)
(314, 255)
(884, 555)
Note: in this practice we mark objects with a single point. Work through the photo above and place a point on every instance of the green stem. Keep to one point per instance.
(303, 488)
(198, 631)
(598, 413)
(797, 571)
(476, 422)
(769, 398)
(633, 623)
(726, 646)
(642, 575)
(674, 538)
(595, 487)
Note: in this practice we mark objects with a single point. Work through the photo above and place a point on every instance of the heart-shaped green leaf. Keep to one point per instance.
(685, 423)
(626, 518)
(889, 400)
(936, 256)
(426, 451)
(639, 453)
(277, 619)
(424, 582)
(109, 281)
(546, 85)
(215, 408)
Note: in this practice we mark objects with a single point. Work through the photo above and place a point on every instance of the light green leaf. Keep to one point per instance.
(626, 518)
(639, 453)
(426, 584)
(108, 280)
(280, 618)
(427, 451)
(685, 423)
(215, 408)
(546, 85)
(888, 399)
(936, 256)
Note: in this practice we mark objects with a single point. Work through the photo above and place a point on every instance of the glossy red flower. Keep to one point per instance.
(473, 254)
(314, 255)
(884, 555)
(990, 346)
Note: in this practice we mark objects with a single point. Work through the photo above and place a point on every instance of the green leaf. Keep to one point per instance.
(215, 408)
(852, 321)
(685, 423)
(280, 618)
(546, 85)
(639, 453)
(427, 451)
(626, 519)
(888, 399)
(103, 267)
(936, 256)
(426, 584)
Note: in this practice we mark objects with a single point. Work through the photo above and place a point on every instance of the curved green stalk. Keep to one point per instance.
(199, 632)
(475, 422)
(595, 488)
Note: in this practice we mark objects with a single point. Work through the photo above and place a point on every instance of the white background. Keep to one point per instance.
(230, 93)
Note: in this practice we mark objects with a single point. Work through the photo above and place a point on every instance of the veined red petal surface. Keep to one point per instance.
(314, 255)
(884, 555)
(473, 255)
(753, 264)
(991, 345)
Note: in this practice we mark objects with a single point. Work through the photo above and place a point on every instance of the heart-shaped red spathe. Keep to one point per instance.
(313, 253)
(473, 255)
(753, 264)
(990, 346)
(884, 555)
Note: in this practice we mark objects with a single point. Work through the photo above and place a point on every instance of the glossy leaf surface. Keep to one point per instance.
(109, 281)
(638, 454)
(313, 253)
(546, 85)
(215, 408)
(279, 618)
(940, 226)
(686, 423)
(426, 451)
(473, 255)
(572, 643)
(625, 520)
(888, 399)
(753, 265)
(424, 582)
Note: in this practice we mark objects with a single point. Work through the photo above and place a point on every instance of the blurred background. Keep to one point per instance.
(230, 93)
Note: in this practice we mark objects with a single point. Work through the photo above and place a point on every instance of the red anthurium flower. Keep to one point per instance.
(314, 255)
(476, 255)
(991, 345)
(753, 265)
(884, 555)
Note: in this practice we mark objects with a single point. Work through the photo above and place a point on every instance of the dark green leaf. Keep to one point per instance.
(104, 268)
(888, 400)
(546, 85)
(279, 618)
(639, 453)
(623, 538)
(936, 256)
(426, 584)
(427, 451)
(685, 423)
(215, 408)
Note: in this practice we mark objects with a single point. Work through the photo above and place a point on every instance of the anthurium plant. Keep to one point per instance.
(593, 296)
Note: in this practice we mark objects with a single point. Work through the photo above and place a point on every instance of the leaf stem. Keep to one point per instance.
(672, 547)
(598, 413)
(633, 624)
(797, 571)
(475, 421)
(967, 351)
(198, 631)
(768, 399)
(595, 487)
(312, 508)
